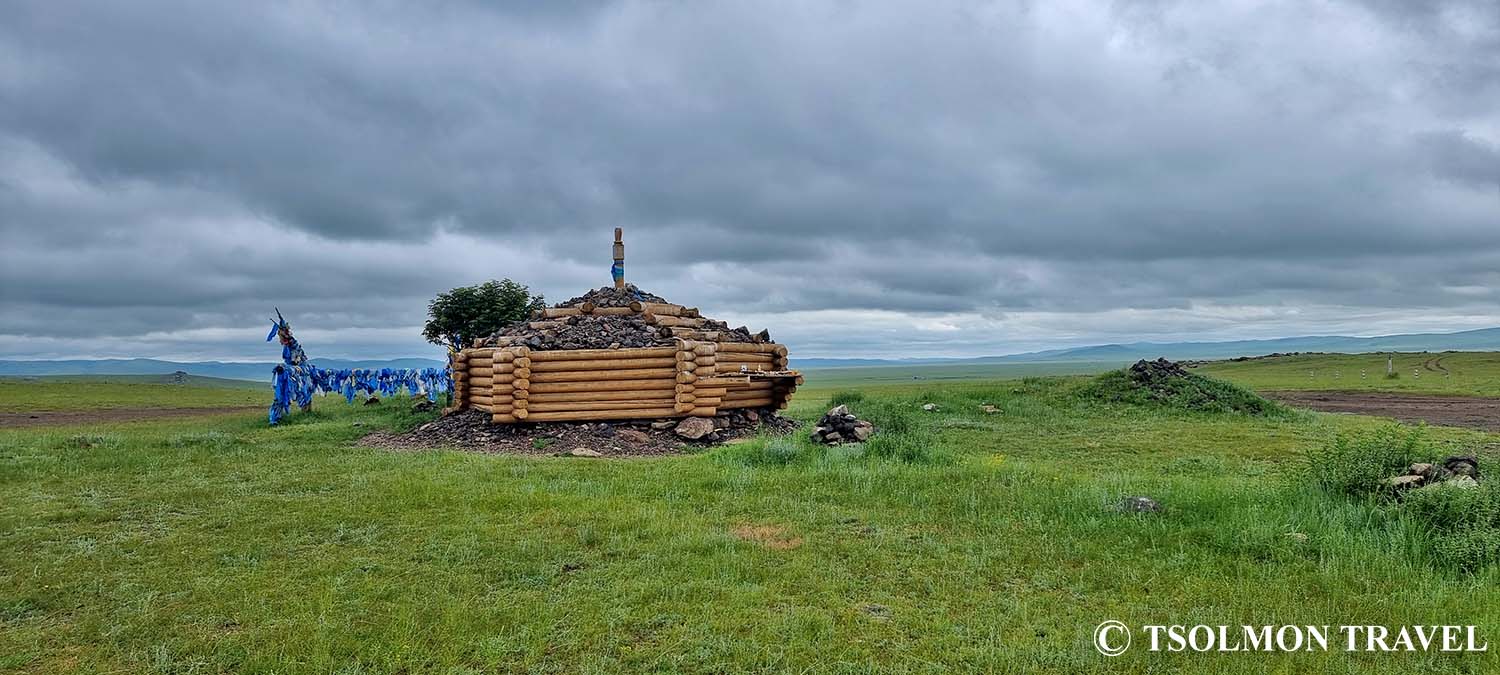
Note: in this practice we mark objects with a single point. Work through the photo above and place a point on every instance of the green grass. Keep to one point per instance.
(127, 391)
(1469, 373)
(972, 541)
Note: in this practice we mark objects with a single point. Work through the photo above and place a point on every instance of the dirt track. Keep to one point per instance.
(57, 418)
(1449, 411)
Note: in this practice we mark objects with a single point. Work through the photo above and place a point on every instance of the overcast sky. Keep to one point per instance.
(863, 179)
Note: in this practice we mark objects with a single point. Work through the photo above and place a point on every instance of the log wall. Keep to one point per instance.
(695, 378)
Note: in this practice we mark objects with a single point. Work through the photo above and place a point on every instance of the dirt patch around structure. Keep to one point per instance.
(63, 418)
(471, 430)
(1449, 411)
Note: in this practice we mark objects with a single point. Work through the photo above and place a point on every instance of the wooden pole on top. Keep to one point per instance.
(618, 271)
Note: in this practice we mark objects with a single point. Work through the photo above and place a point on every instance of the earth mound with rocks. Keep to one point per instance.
(608, 331)
(471, 430)
(1165, 383)
(839, 425)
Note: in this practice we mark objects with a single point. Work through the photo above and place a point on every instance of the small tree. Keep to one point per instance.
(474, 311)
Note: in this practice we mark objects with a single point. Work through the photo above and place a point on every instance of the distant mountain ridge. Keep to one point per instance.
(234, 370)
(1483, 339)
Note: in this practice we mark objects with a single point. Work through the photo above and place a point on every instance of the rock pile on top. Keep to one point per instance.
(1154, 374)
(584, 331)
(609, 329)
(609, 296)
(839, 425)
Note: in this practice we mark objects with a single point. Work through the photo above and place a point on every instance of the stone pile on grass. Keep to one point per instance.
(839, 425)
(1461, 471)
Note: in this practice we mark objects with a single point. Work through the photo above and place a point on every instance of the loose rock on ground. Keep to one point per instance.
(1458, 471)
(1138, 504)
(471, 430)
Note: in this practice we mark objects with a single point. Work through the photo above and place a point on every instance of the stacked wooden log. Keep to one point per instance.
(690, 366)
(748, 361)
(695, 361)
(696, 379)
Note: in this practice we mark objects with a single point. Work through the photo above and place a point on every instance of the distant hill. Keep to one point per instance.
(176, 379)
(1484, 339)
(233, 370)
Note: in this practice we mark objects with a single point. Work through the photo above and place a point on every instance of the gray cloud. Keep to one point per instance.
(168, 171)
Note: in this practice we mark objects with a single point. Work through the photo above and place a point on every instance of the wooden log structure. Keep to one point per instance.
(585, 415)
(610, 385)
(698, 377)
(542, 366)
(602, 354)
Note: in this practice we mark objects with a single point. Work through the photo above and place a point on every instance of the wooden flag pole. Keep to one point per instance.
(619, 268)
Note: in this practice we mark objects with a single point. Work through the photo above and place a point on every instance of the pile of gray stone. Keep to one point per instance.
(608, 331)
(1459, 471)
(586, 331)
(839, 425)
(1156, 375)
(609, 296)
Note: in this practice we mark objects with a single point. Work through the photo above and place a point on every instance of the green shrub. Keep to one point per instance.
(1461, 525)
(1356, 465)
(893, 422)
(1464, 523)
(1453, 508)
(845, 397)
(1468, 550)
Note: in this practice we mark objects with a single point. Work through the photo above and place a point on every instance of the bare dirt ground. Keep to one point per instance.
(58, 418)
(1450, 411)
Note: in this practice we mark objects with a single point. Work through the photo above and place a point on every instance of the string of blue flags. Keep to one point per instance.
(295, 380)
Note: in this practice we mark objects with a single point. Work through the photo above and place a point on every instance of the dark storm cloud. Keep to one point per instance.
(177, 168)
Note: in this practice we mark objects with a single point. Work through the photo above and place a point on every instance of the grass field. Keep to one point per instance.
(127, 391)
(963, 541)
(1457, 373)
